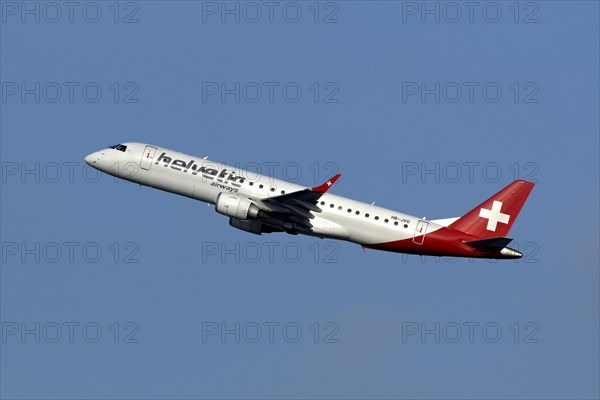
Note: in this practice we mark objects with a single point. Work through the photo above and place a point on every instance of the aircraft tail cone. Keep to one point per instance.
(507, 252)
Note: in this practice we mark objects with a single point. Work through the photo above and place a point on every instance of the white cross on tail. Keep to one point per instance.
(494, 216)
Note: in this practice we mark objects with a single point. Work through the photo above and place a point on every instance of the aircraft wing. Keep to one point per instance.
(297, 205)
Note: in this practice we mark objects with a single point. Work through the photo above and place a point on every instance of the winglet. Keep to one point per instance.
(324, 187)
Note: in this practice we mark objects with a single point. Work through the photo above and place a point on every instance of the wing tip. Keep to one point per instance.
(325, 186)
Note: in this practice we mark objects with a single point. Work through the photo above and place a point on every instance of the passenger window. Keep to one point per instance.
(395, 222)
(283, 192)
(322, 203)
(367, 215)
(385, 220)
(357, 213)
(331, 205)
(261, 186)
(376, 218)
(339, 207)
(349, 210)
(251, 183)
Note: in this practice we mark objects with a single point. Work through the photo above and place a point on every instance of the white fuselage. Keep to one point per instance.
(202, 179)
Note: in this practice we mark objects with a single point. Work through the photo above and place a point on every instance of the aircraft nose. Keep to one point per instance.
(91, 158)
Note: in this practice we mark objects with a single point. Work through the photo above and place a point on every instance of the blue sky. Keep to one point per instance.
(111, 290)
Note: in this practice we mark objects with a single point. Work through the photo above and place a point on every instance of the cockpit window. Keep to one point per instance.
(119, 147)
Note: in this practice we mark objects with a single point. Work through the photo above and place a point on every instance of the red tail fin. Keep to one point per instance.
(495, 216)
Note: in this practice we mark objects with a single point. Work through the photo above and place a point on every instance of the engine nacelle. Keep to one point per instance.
(236, 206)
(247, 225)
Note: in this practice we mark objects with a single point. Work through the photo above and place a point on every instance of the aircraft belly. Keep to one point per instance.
(327, 228)
(373, 234)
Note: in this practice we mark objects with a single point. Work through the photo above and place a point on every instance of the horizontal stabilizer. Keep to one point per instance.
(495, 243)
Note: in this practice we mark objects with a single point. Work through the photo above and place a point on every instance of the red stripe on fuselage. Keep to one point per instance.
(442, 242)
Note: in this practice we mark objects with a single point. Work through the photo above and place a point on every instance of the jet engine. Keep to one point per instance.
(238, 207)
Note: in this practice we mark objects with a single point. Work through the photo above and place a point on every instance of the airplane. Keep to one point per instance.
(265, 205)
